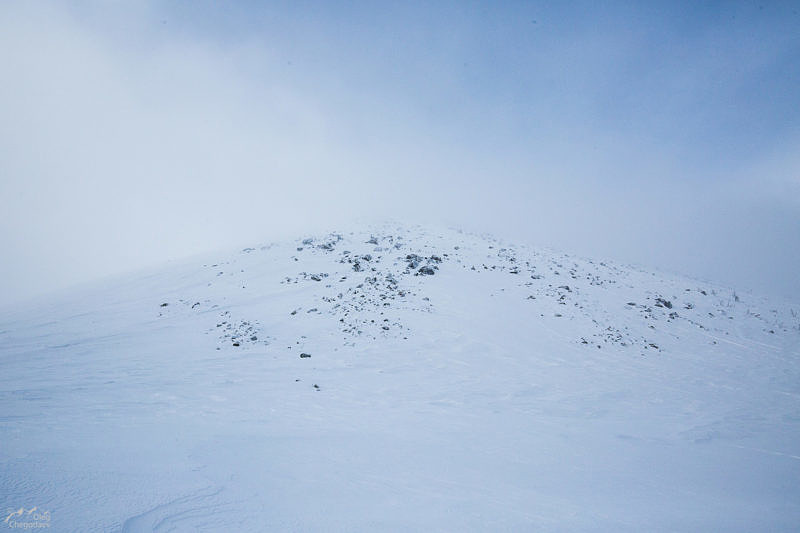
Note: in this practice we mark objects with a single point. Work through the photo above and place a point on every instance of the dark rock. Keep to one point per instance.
(413, 260)
(661, 302)
(305, 355)
(425, 271)
(164, 304)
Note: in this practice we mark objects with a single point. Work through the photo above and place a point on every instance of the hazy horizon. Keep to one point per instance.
(665, 135)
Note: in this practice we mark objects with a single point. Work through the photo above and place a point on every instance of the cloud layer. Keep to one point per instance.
(663, 136)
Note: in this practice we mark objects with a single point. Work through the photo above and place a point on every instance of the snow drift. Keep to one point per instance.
(402, 378)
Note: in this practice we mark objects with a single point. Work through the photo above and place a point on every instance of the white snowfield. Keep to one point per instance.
(401, 379)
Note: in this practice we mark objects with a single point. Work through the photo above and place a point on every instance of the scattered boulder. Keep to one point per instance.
(661, 302)
(425, 271)
(413, 260)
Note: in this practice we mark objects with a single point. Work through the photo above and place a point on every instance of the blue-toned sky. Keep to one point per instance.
(664, 134)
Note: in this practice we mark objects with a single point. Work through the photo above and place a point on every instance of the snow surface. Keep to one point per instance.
(511, 389)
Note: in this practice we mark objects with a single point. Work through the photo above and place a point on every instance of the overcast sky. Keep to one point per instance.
(134, 133)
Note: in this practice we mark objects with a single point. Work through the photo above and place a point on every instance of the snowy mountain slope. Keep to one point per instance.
(402, 378)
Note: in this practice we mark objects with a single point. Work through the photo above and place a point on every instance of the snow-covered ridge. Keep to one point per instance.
(366, 281)
(402, 378)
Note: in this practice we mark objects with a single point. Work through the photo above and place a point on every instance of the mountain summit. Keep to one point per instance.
(402, 378)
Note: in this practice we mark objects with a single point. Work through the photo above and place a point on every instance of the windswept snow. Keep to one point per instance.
(402, 378)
